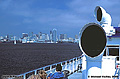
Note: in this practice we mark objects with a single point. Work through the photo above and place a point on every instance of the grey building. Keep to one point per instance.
(24, 35)
(63, 36)
(51, 35)
(54, 35)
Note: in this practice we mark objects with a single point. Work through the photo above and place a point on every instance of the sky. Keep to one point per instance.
(67, 16)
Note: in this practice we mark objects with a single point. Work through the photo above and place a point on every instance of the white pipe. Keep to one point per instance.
(105, 20)
(93, 62)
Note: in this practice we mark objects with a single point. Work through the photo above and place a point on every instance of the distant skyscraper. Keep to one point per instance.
(11, 37)
(76, 36)
(119, 25)
(63, 36)
(1, 37)
(40, 35)
(7, 36)
(24, 35)
(51, 35)
(30, 34)
(35, 36)
(76, 39)
(45, 36)
(54, 35)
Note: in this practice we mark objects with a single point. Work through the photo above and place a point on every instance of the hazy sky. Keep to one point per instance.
(67, 16)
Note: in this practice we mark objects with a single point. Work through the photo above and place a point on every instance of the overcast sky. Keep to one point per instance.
(67, 16)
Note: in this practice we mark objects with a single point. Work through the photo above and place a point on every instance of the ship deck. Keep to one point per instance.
(77, 75)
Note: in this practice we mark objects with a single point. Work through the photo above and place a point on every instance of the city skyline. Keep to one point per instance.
(68, 16)
(21, 35)
(40, 37)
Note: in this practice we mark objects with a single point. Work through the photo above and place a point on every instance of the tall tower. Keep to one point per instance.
(76, 36)
(54, 35)
(51, 35)
(30, 34)
(40, 35)
(63, 36)
(24, 35)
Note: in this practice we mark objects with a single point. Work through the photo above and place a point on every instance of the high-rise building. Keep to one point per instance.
(24, 35)
(54, 35)
(40, 35)
(7, 36)
(30, 34)
(35, 36)
(76, 39)
(76, 36)
(45, 36)
(1, 37)
(51, 35)
(11, 37)
(63, 36)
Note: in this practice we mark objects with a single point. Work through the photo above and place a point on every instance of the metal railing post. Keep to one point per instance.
(106, 51)
(119, 52)
(70, 66)
(50, 68)
(119, 60)
(76, 63)
(73, 65)
(61, 64)
(35, 72)
(66, 65)
(44, 68)
(24, 76)
(118, 72)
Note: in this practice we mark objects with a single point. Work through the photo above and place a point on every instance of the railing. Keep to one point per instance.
(117, 73)
(70, 65)
(117, 67)
(117, 61)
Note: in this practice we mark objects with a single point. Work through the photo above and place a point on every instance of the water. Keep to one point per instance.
(17, 58)
(21, 58)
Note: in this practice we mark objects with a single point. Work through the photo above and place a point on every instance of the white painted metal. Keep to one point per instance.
(105, 21)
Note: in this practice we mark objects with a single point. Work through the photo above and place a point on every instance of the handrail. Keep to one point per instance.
(43, 68)
(117, 72)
